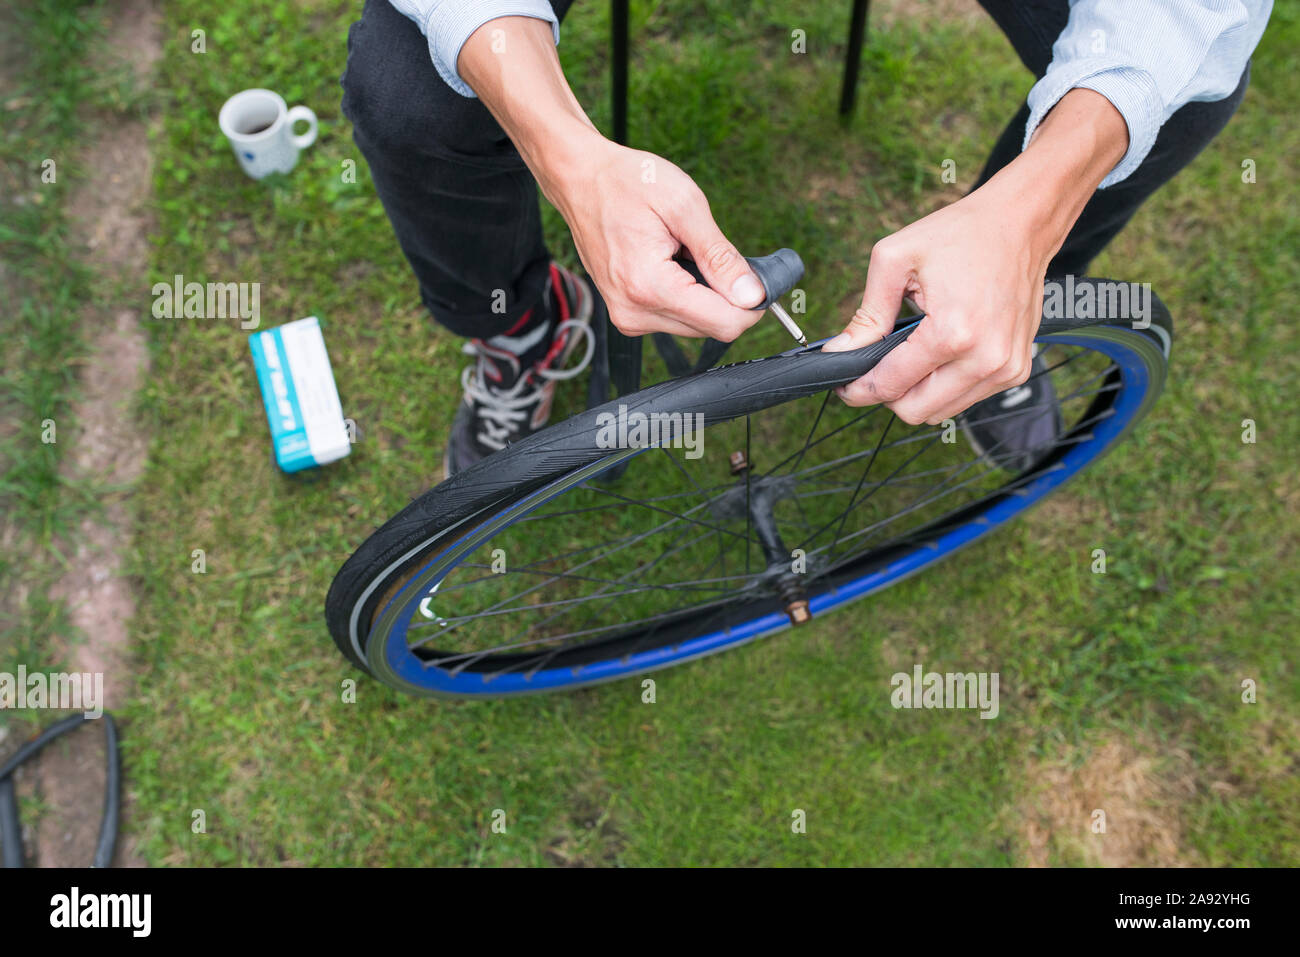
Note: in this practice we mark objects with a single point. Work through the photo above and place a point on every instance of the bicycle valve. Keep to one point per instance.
(779, 311)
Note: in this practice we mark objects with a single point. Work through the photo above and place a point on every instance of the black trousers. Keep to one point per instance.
(465, 207)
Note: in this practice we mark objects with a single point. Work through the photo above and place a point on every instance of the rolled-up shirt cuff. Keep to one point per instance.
(450, 24)
(1131, 91)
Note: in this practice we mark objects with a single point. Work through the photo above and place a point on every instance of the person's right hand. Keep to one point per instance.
(630, 213)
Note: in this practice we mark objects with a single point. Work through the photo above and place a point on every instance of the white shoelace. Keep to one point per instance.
(501, 411)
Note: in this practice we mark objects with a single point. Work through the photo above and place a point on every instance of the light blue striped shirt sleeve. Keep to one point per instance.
(1149, 58)
(447, 24)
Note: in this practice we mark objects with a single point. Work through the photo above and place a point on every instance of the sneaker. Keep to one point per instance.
(1014, 429)
(511, 385)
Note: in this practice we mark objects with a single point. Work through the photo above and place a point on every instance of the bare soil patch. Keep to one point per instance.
(1140, 789)
(107, 212)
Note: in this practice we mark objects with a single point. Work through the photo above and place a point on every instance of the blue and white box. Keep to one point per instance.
(302, 402)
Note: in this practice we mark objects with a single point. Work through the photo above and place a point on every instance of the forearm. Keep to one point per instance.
(1046, 187)
(512, 66)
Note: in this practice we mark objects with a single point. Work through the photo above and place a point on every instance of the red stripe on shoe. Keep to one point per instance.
(521, 324)
(558, 281)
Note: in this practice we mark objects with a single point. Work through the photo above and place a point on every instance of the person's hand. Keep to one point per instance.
(978, 277)
(630, 213)
(976, 270)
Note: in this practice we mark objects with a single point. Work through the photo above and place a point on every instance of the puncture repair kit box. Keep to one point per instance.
(302, 402)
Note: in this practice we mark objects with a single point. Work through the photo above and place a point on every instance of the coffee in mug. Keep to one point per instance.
(260, 129)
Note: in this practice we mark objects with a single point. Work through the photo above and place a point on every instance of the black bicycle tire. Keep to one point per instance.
(721, 394)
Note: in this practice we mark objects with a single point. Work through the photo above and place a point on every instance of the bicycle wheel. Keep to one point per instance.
(526, 573)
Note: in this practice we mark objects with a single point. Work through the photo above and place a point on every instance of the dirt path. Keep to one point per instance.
(108, 216)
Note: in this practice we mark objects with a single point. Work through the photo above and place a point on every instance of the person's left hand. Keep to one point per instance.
(977, 274)
(976, 270)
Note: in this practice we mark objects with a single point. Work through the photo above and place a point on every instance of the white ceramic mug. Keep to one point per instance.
(260, 128)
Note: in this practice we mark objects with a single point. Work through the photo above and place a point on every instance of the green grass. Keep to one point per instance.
(239, 709)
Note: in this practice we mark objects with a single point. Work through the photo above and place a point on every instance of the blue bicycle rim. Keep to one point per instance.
(392, 658)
